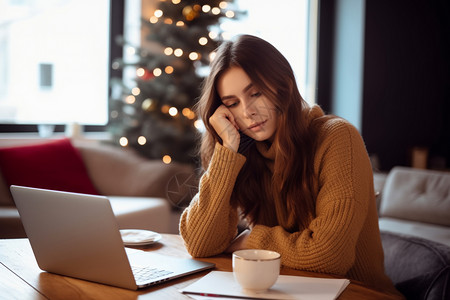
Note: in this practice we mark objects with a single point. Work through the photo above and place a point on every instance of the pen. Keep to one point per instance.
(208, 295)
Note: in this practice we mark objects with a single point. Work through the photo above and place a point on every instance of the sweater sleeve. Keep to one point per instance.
(209, 223)
(328, 245)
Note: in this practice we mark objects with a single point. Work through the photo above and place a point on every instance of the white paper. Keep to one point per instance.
(219, 283)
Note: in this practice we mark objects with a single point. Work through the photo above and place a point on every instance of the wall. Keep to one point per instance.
(348, 60)
(405, 85)
(407, 80)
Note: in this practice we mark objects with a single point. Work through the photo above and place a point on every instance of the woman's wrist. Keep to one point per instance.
(232, 146)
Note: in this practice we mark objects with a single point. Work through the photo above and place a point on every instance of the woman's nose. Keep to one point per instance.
(250, 110)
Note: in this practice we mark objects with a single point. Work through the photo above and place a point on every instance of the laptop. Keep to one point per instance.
(77, 235)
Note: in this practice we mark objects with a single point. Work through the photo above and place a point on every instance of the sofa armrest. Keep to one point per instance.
(118, 171)
(5, 194)
(142, 213)
(10, 224)
(419, 268)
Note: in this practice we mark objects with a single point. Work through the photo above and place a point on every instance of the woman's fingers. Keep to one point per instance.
(226, 127)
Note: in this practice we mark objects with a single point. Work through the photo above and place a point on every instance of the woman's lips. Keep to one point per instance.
(257, 126)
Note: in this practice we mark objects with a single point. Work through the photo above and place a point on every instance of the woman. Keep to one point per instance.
(301, 179)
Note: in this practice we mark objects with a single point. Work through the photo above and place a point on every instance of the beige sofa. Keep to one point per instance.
(414, 218)
(415, 202)
(144, 194)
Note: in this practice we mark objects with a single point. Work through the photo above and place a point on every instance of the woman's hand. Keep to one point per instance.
(239, 242)
(226, 127)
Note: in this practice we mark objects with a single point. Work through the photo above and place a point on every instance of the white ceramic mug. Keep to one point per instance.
(255, 269)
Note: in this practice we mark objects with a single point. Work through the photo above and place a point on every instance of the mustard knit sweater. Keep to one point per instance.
(342, 239)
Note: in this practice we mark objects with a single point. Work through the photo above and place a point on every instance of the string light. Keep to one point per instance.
(135, 91)
(168, 51)
(203, 41)
(173, 111)
(206, 8)
(180, 24)
(178, 52)
(165, 109)
(176, 1)
(199, 125)
(130, 99)
(168, 21)
(229, 14)
(167, 159)
(215, 10)
(190, 13)
(185, 112)
(212, 55)
(153, 20)
(157, 72)
(191, 115)
(158, 13)
(131, 51)
(123, 141)
(140, 72)
(188, 113)
(115, 65)
(148, 104)
(169, 70)
(223, 5)
(142, 140)
(193, 56)
(114, 114)
(212, 35)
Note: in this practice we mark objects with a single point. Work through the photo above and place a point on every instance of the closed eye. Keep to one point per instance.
(256, 95)
(230, 104)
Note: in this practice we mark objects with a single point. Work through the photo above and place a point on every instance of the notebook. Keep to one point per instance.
(77, 235)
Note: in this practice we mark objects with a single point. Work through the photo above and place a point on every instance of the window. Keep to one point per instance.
(289, 25)
(55, 55)
(54, 61)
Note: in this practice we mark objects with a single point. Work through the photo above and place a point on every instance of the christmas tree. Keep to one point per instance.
(155, 115)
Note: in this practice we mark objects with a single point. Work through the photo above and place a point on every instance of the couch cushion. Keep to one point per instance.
(122, 172)
(50, 165)
(419, 269)
(417, 195)
(433, 232)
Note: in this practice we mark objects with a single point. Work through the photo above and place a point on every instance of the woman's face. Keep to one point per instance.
(255, 115)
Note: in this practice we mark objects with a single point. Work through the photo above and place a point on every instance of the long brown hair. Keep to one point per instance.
(293, 179)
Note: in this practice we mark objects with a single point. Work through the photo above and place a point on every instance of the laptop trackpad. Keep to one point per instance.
(140, 258)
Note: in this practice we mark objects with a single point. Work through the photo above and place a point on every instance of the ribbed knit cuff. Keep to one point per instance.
(225, 164)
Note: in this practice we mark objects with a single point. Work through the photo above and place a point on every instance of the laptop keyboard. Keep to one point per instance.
(145, 274)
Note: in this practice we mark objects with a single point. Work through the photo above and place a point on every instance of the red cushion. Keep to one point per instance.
(55, 165)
